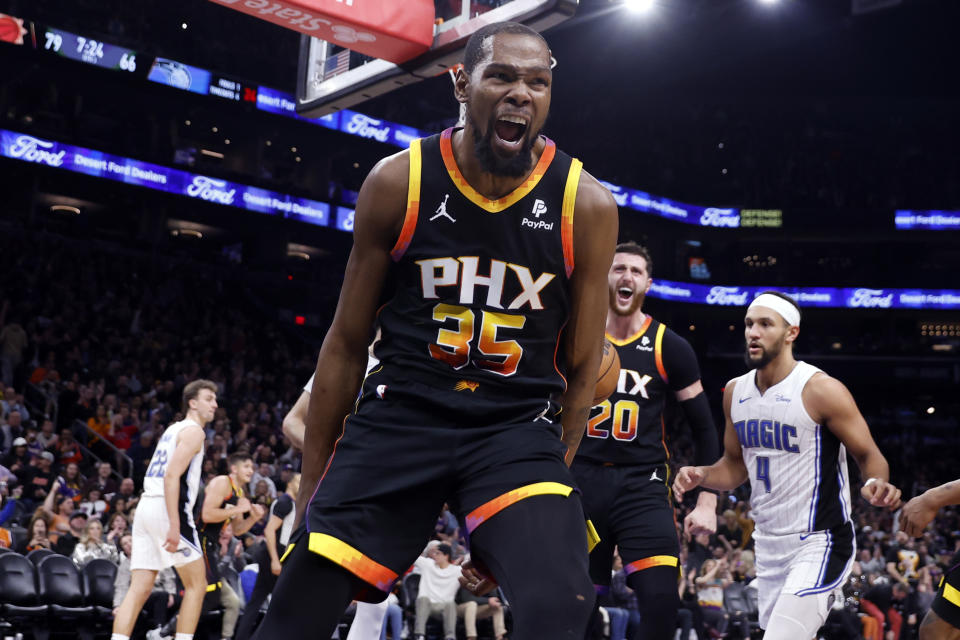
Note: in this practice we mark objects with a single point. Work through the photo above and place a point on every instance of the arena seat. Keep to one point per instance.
(37, 555)
(60, 586)
(19, 601)
(98, 578)
(738, 605)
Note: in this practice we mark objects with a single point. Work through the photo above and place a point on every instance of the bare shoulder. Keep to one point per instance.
(594, 200)
(825, 397)
(824, 388)
(191, 435)
(383, 197)
(728, 393)
(218, 485)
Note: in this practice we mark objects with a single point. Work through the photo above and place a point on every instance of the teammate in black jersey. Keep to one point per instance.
(942, 621)
(224, 502)
(621, 465)
(497, 247)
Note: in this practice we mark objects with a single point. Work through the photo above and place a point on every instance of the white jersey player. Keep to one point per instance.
(789, 427)
(164, 533)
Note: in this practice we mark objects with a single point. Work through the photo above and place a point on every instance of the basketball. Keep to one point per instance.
(608, 375)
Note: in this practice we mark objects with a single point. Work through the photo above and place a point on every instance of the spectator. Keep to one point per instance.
(103, 481)
(263, 474)
(164, 599)
(47, 438)
(903, 561)
(18, 460)
(877, 603)
(871, 561)
(127, 493)
(286, 474)
(623, 599)
(13, 507)
(730, 530)
(393, 617)
(99, 429)
(92, 545)
(92, 504)
(117, 527)
(34, 448)
(67, 541)
(37, 535)
(140, 453)
(439, 583)
(70, 484)
(472, 608)
(68, 449)
(38, 479)
(714, 578)
(60, 516)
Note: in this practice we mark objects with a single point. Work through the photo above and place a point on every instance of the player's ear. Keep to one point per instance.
(649, 282)
(792, 333)
(460, 82)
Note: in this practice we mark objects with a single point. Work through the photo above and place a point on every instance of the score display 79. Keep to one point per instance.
(89, 50)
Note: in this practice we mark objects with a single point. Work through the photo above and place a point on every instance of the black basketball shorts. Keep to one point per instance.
(630, 508)
(412, 446)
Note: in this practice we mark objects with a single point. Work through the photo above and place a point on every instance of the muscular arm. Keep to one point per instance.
(829, 403)
(217, 491)
(343, 356)
(270, 537)
(594, 240)
(242, 525)
(727, 473)
(293, 422)
(921, 510)
(189, 443)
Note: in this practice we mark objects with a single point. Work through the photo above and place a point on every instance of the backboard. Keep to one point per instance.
(331, 77)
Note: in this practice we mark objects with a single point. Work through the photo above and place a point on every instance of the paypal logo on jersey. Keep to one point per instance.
(767, 434)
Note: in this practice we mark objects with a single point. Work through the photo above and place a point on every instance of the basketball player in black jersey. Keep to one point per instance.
(224, 501)
(942, 621)
(621, 465)
(498, 247)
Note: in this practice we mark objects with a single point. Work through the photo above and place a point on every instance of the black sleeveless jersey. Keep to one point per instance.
(481, 287)
(210, 531)
(628, 427)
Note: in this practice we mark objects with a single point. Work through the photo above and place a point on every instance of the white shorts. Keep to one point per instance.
(150, 526)
(812, 565)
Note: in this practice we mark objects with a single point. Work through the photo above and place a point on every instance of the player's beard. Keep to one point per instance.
(516, 166)
(766, 356)
(635, 303)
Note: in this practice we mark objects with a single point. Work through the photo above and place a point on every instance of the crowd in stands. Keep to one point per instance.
(88, 387)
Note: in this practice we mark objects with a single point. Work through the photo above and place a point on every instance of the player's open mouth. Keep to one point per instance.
(510, 129)
(624, 295)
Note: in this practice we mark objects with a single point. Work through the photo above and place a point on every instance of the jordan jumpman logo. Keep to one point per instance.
(442, 211)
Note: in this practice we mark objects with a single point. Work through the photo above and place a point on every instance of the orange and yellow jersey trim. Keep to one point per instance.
(566, 220)
(652, 561)
(341, 553)
(639, 334)
(489, 509)
(413, 202)
(494, 206)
